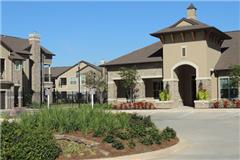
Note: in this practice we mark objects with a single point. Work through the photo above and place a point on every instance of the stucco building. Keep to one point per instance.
(70, 81)
(21, 70)
(190, 53)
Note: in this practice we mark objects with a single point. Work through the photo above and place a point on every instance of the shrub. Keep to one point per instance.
(237, 103)
(123, 134)
(164, 95)
(147, 140)
(118, 145)
(168, 133)
(202, 94)
(99, 132)
(109, 139)
(216, 104)
(154, 133)
(226, 103)
(131, 144)
(134, 105)
(22, 143)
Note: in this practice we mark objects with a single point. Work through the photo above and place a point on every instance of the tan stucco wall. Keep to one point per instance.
(4, 53)
(148, 70)
(196, 54)
(183, 23)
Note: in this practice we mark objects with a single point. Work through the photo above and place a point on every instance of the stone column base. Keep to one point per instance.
(201, 104)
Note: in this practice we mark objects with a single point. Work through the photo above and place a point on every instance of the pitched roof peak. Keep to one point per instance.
(191, 6)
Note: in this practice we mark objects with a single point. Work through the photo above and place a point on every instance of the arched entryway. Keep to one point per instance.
(186, 75)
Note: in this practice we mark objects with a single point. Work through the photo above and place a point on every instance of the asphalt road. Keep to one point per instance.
(205, 134)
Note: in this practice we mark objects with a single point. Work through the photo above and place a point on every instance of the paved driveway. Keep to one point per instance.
(204, 134)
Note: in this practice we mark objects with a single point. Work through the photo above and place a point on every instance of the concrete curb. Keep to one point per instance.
(180, 110)
(158, 154)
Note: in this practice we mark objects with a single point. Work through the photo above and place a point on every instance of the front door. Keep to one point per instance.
(3, 98)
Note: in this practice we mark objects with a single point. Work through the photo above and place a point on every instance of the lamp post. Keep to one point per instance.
(78, 74)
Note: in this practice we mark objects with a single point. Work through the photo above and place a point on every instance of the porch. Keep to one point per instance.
(147, 89)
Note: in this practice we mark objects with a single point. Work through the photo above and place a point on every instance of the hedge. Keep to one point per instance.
(26, 143)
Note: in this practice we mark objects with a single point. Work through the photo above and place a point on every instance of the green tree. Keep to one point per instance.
(235, 75)
(129, 77)
(96, 80)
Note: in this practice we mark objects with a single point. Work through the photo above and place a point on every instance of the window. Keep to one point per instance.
(157, 87)
(63, 81)
(228, 89)
(82, 79)
(2, 68)
(18, 65)
(73, 80)
(183, 51)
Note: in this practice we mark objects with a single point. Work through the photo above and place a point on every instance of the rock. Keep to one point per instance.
(81, 140)
(105, 153)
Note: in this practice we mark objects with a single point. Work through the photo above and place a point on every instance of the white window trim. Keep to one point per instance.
(182, 51)
(20, 65)
(5, 69)
(70, 80)
(219, 85)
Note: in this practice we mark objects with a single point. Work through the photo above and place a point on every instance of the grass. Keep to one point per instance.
(83, 119)
(115, 128)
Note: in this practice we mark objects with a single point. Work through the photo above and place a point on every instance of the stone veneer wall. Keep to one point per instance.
(206, 85)
(174, 92)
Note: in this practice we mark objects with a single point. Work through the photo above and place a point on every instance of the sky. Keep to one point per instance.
(95, 31)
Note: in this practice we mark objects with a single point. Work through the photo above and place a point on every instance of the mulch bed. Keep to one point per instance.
(140, 148)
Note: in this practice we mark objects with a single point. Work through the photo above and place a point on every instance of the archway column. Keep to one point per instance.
(206, 84)
(173, 90)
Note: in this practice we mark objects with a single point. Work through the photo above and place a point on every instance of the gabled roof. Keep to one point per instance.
(56, 71)
(230, 52)
(65, 69)
(14, 55)
(151, 53)
(20, 45)
(195, 25)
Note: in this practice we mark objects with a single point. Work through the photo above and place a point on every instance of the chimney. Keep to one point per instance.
(104, 69)
(36, 70)
(192, 12)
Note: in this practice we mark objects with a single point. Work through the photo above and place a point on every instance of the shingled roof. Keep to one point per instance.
(19, 46)
(56, 71)
(230, 52)
(151, 53)
(194, 25)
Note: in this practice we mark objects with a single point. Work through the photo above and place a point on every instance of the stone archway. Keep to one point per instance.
(186, 75)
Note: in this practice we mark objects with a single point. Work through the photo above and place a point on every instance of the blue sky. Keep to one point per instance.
(93, 31)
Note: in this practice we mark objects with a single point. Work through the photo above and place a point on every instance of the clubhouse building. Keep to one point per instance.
(189, 54)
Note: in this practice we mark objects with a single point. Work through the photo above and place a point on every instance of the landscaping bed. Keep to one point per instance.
(134, 105)
(106, 150)
(80, 133)
(225, 103)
